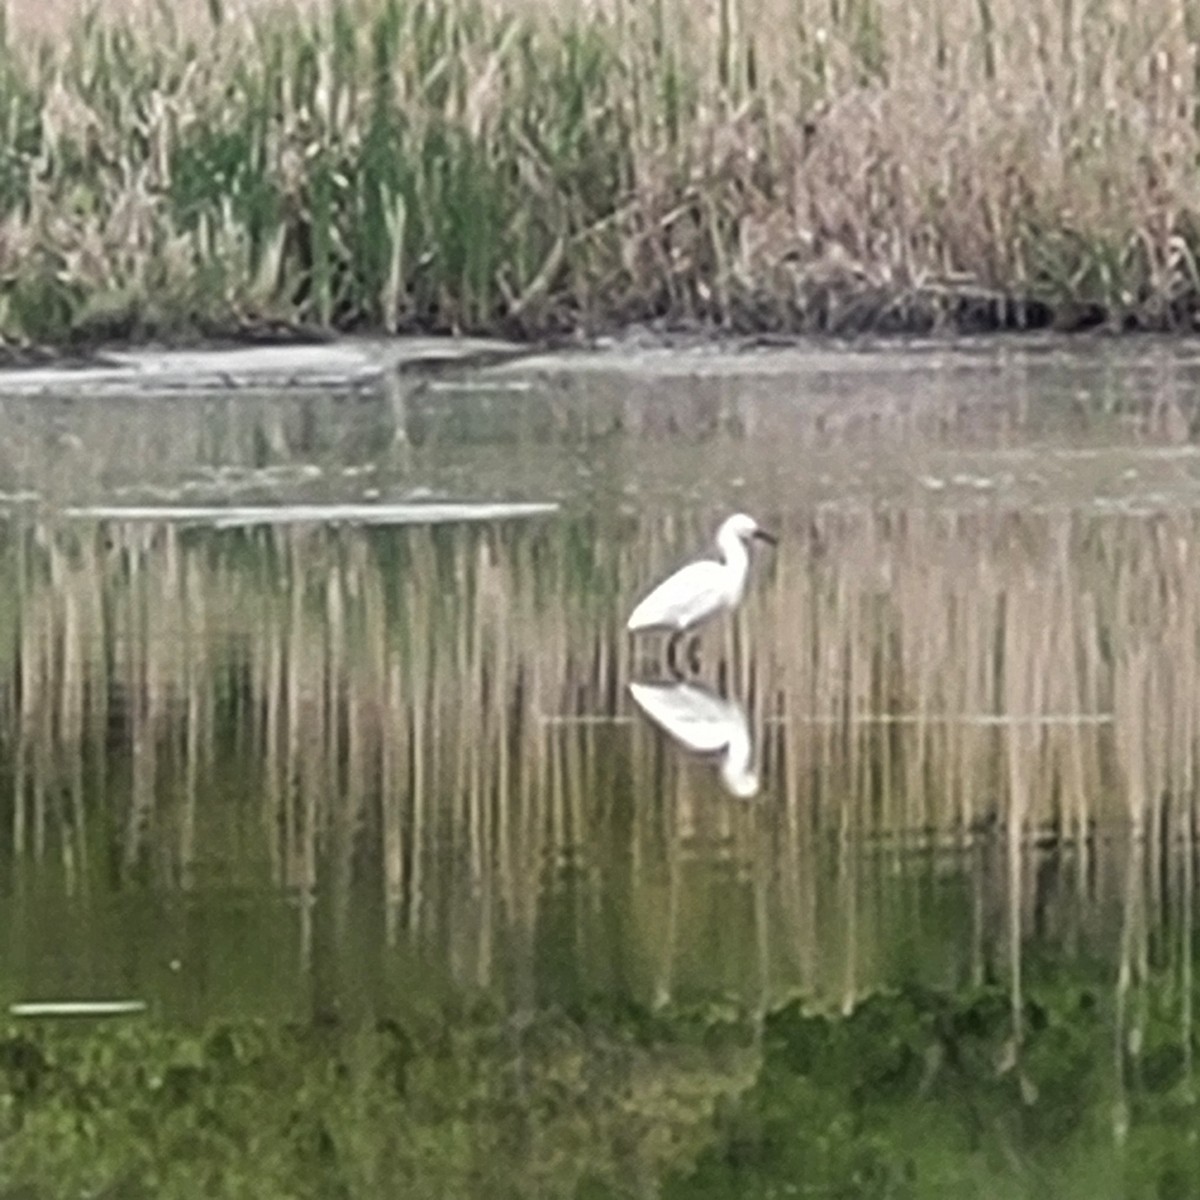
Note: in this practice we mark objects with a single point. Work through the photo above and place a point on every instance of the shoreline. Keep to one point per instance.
(652, 334)
(430, 352)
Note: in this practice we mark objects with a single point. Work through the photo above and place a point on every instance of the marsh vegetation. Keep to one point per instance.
(751, 164)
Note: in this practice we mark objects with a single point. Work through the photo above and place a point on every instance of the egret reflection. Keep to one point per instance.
(705, 723)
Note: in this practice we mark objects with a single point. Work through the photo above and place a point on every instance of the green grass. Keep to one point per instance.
(441, 1106)
(410, 164)
(915, 1095)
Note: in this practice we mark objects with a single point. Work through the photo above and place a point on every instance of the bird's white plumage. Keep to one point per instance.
(704, 723)
(683, 599)
(697, 718)
(701, 589)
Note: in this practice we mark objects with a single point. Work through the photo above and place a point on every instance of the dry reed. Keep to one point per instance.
(479, 165)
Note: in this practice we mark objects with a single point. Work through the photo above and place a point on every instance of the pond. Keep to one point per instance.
(316, 713)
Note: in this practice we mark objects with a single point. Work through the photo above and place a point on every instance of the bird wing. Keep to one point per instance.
(694, 716)
(691, 594)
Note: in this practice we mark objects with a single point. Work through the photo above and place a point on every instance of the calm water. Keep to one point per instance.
(261, 766)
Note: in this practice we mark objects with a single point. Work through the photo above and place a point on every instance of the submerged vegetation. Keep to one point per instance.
(921, 1094)
(755, 164)
(914, 1094)
(449, 1105)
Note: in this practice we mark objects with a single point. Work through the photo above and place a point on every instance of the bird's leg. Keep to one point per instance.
(672, 650)
(693, 655)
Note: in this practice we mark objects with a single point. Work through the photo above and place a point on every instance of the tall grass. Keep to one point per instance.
(472, 165)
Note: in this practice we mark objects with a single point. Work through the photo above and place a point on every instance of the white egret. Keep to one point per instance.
(704, 723)
(701, 589)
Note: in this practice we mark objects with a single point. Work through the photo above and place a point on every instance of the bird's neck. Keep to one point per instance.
(733, 550)
(735, 764)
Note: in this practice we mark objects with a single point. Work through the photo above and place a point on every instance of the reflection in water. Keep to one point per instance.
(420, 728)
(703, 722)
(309, 765)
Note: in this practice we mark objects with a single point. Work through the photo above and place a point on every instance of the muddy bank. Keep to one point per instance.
(850, 314)
(355, 364)
(330, 364)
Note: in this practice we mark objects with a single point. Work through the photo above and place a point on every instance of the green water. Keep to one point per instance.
(419, 901)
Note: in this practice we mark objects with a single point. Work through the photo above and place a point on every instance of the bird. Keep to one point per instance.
(702, 589)
(703, 722)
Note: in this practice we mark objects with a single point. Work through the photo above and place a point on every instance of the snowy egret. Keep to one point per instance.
(701, 589)
(704, 723)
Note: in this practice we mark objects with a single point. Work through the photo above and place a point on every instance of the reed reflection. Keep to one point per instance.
(418, 733)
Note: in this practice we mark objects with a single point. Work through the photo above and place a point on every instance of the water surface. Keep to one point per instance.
(310, 763)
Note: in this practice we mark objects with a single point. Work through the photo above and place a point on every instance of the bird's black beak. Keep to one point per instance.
(763, 535)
